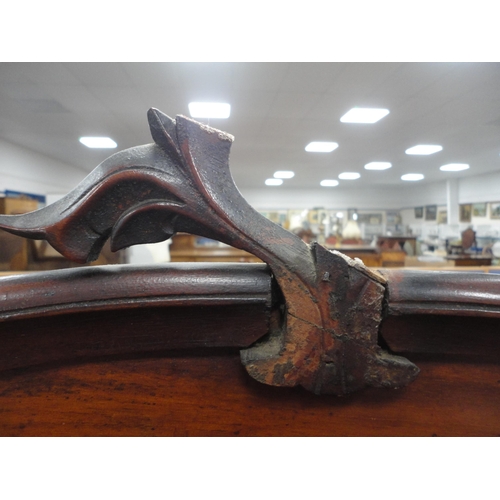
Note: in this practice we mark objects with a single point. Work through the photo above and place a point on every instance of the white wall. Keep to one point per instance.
(24, 170)
(471, 190)
(477, 189)
(482, 188)
(375, 198)
(418, 195)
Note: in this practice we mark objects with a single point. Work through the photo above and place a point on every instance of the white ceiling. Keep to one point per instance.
(276, 109)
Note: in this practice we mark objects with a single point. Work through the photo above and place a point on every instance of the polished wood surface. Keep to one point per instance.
(469, 260)
(83, 313)
(211, 395)
(174, 370)
(456, 293)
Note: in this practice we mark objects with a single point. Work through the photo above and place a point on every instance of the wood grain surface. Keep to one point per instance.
(210, 394)
(76, 314)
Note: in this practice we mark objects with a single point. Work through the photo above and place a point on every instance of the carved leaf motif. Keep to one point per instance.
(129, 197)
(327, 338)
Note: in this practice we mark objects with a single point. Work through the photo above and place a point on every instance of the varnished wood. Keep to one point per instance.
(470, 260)
(474, 337)
(84, 313)
(210, 394)
(440, 292)
(120, 287)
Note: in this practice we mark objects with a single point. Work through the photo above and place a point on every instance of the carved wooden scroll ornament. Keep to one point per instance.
(325, 337)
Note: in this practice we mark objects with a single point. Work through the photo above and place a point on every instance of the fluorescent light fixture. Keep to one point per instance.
(378, 165)
(321, 147)
(349, 175)
(283, 174)
(209, 109)
(98, 142)
(274, 182)
(423, 149)
(364, 115)
(329, 183)
(412, 177)
(454, 167)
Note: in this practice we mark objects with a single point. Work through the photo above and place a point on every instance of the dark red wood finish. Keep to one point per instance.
(89, 312)
(210, 394)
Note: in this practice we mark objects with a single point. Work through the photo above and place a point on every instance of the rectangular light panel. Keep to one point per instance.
(321, 147)
(209, 109)
(98, 142)
(364, 115)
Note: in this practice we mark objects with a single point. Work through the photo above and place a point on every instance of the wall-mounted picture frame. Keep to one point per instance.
(430, 212)
(495, 210)
(419, 212)
(479, 209)
(465, 212)
(313, 216)
(442, 217)
(375, 219)
(392, 218)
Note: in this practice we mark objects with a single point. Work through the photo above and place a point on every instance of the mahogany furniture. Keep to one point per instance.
(465, 257)
(469, 260)
(310, 342)
(13, 249)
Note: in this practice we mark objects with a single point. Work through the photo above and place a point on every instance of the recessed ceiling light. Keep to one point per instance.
(423, 149)
(209, 109)
(412, 177)
(274, 182)
(98, 142)
(364, 115)
(321, 147)
(329, 182)
(454, 167)
(284, 174)
(378, 165)
(349, 175)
